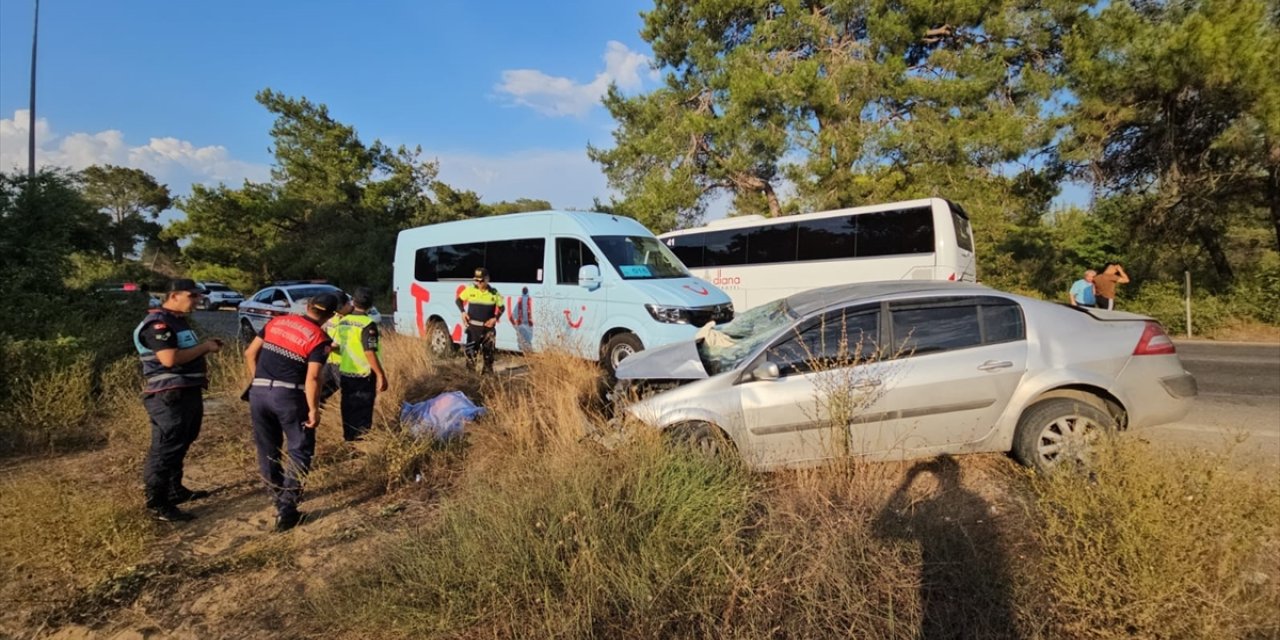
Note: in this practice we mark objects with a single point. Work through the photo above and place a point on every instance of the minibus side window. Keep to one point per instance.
(572, 254)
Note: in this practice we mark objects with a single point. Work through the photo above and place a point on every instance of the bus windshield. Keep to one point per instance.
(640, 257)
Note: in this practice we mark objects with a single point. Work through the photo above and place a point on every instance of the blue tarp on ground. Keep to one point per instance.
(441, 417)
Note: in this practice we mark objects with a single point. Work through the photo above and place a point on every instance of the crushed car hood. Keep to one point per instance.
(675, 361)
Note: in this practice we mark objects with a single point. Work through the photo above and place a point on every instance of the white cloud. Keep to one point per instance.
(176, 162)
(565, 178)
(560, 96)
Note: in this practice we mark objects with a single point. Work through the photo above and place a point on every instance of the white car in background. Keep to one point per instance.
(907, 369)
(215, 295)
(282, 298)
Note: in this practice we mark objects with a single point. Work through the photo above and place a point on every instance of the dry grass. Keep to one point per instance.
(539, 532)
(1172, 545)
(58, 534)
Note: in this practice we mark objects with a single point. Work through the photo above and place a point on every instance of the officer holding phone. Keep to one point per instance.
(175, 377)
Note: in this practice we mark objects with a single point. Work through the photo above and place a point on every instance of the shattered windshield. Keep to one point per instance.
(722, 348)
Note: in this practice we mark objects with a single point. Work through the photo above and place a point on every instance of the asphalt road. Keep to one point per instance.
(1238, 409)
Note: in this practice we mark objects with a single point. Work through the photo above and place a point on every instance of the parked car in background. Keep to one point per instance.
(906, 369)
(127, 292)
(215, 295)
(279, 299)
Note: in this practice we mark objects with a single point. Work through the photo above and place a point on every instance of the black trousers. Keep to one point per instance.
(480, 338)
(358, 395)
(176, 416)
(329, 381)
(278, 414)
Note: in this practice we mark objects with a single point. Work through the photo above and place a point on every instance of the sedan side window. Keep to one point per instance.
(945, 324)
(280, 297)
(937, 328)
(836, 339)
(264, 296)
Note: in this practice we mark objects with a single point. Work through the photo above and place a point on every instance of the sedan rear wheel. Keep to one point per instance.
(1060, 433)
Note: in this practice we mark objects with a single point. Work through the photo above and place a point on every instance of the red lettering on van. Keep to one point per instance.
(421, 297)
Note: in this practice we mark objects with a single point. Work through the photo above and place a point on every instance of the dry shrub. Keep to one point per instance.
(552, 404)
(50, 409)
(561, 542)
(59, 533)
(1173, 545)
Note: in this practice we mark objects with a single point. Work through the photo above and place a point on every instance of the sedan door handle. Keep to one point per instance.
(993, 365)
(863, 384)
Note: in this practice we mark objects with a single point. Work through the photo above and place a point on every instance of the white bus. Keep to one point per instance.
(757, 260)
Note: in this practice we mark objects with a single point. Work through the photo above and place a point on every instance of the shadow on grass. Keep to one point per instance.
(964, 582)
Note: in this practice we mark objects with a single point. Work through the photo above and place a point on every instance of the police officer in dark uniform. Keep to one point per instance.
(284, 362)
(174, 374)
(481, 308)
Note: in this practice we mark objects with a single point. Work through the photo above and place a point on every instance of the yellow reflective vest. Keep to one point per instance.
(349, 334)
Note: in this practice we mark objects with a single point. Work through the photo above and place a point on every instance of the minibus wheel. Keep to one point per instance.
(438, 339)
(618, 348)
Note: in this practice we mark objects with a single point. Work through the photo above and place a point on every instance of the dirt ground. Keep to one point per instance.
(225, 574)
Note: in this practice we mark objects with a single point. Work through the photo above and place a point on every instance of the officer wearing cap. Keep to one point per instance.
(481, 307)
(359, 368)
(284, 363)
(174, 379)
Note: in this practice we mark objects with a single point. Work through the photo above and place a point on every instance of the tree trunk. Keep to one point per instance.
(775, 209)
(1210, 240)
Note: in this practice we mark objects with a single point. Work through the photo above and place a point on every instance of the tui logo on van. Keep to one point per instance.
(568, 317)
(702, 291)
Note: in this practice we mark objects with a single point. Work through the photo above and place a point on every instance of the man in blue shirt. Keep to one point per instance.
(1082, 290)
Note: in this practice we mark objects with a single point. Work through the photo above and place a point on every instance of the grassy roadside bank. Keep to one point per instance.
(528, 530)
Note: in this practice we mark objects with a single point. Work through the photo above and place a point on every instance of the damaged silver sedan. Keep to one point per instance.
(904, 369)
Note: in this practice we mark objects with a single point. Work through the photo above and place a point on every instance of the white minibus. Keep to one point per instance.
(599, 285)
(757, 260)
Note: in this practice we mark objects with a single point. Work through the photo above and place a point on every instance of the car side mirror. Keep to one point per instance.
(280, 303)
(766, 371)
(589, 276)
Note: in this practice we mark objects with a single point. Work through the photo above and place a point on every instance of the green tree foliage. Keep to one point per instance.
(332, 209)
(44, 220)
(1178, 117)
(843, 103)
(131, 199)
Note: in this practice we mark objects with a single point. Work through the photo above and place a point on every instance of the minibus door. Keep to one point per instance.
(576, 308)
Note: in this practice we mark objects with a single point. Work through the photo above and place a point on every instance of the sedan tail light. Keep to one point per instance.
(1154, 341)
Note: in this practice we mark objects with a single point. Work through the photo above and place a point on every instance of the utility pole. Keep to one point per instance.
(31, 123)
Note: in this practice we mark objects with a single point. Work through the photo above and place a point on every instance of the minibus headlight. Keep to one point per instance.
(670, 315)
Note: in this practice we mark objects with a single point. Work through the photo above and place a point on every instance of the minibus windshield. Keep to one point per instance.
(640, 257)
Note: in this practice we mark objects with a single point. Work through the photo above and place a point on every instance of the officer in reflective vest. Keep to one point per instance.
(284, 363)
(481, 308)
(360, 367)
(329, 379)
(173, 370)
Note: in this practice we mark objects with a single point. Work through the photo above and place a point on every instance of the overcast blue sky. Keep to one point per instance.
(505, 94)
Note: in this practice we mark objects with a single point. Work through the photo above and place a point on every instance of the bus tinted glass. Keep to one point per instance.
(722, 248)
(772, 243)
(964, 235)
(888, 233)
(827, 239)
